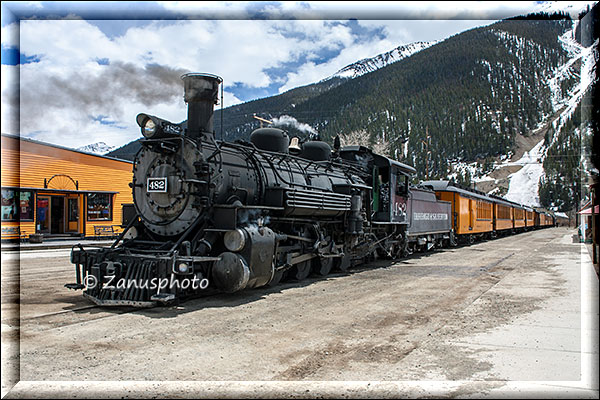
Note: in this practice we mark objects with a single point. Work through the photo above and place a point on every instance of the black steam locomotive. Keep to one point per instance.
(219, 216)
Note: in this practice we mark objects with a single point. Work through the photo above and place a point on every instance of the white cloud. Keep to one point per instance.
(10, 90)
(10, 35)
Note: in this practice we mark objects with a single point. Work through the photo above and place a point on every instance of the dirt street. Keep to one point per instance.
(398, 321)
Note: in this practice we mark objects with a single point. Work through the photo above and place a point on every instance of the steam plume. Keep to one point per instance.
(286, 120)
(102, 93)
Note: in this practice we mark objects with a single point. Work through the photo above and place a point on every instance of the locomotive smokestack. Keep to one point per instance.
(201, 94)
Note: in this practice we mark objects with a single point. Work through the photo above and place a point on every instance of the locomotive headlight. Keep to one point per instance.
(184, 268)
(156, 128)
(149, 128)
(148, 125)
(234, 240)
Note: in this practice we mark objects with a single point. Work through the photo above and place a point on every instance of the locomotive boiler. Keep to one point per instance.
(219, 216)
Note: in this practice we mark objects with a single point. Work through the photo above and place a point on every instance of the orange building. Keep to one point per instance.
(55, 191)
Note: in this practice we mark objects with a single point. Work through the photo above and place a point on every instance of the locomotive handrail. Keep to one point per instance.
(185, 234)
(217, 151)
(251, 158)
(327, 165)
(251, 207)
(275, 170)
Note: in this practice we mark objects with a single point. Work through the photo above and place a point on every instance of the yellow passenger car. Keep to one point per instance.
(473, 213)
(545, 219)
(503, 216)
(529, 218)
(59, 192)
(519, 217)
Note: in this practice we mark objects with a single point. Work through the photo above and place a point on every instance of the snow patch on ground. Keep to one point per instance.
(524, 184)
(366, 65)
(474, 169)
(563, 72)
(589, 58)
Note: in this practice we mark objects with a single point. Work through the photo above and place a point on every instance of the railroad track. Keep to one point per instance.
(64, 318)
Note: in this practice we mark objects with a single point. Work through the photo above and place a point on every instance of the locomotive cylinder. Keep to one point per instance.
(249, 263)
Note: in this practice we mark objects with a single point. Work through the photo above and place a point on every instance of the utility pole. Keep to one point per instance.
(426, 142)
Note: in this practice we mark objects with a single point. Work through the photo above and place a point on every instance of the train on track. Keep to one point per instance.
(215, 216)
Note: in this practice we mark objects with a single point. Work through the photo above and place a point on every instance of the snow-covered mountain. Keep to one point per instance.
(96, 148)
(367, 65)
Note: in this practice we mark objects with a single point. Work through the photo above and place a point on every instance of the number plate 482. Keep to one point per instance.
(157, 185)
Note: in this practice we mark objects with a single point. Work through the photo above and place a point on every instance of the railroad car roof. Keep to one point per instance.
(503, 201)
(407, 169)
(447, 186)
(380, 160)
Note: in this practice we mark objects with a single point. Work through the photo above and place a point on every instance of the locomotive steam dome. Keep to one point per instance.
(316, 151)
(270, 139)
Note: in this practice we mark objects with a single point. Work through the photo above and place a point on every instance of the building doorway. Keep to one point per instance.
(42, 214)
(72, 214)
(57, 214)
(50, 215)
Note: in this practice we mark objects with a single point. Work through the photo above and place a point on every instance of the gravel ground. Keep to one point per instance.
(389, 321)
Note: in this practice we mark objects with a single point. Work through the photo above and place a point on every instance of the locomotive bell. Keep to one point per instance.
(295, 146)
(201, 94)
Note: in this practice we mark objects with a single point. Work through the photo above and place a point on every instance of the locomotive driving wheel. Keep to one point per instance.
(322, 265)
(301, 270)
(344, 262)
(326, 248)
(277, 276)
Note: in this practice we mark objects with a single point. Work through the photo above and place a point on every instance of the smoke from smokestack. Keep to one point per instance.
(100, 93)
(286, 120)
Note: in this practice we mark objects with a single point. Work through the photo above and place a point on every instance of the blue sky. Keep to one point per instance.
(84, 70)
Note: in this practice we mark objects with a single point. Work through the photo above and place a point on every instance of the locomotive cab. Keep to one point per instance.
(390, 190)
(389, 182)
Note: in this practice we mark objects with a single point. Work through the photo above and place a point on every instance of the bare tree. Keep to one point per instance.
(362, 138)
